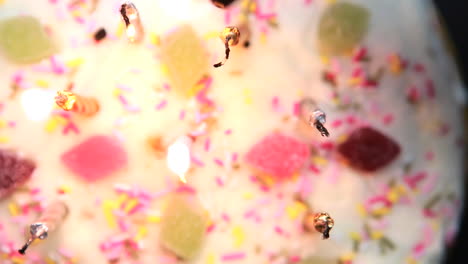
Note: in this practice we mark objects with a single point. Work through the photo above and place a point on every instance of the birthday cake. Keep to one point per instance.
(248, 131)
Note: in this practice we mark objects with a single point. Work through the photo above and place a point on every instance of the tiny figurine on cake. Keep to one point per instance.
(50, 219)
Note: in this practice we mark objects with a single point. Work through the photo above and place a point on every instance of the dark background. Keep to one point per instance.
(455, 15)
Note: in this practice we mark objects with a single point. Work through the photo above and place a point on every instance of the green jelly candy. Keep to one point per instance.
(183, 226)
(342, 26)
(23, 40)
(186, 59)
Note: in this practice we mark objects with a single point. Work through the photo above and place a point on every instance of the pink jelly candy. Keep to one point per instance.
(95, 158)
(278, 155)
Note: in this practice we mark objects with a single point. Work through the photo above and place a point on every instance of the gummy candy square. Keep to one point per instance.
(14, 171)
(96, 158)
(24, 40)
(185, 58)
(368, 150)
(278, 155)
(183, 226)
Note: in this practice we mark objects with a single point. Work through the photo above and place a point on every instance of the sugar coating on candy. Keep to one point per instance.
(342, 27)
(183, 226)
(96, 158)
(185, 58)
(368, 150)
(14, 171)
(278, 155)
(24, 40)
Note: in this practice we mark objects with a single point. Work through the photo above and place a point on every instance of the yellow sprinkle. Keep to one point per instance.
(53, 123)
(295, 209)
(117, 92)
(435, 224)
(355, 236)
(74, 62)
(347, 257)
(411, 260)
(331, 1)
(247, 195)
(17, 260)
(49, 260)
(401, 189)
(354, 81)
(131, 205)
(342, 138)
(263, 38)
(245, 4)
(142, 233)
(153, 219)
(212, 34)
(318, 160)
(393, 195)
(211, 259)
(239, 236)
(65, 189)
(155, 39)
(325, 60)
(4, 139)
(120, 29)
(253, 6)
(381, 211)
(194, 90)
(108, 207)
(376, 235)
(42, 83)
(2, 2)
(361, 210)
(3, 123)
(164, 70)
(121, 199)
(13, 208)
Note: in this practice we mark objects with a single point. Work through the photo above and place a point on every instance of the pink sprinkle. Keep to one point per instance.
(428, 213)
(161, 105)
(123, 100)
(225, 217)
(234, 157)
(297, 109)
(413, 94)
(430, 89)
(196, 161)
(388, 119)
(418, 249)
(166, 87)
(57, 67)
(12, 124)
(359, 54)
(219, 162)
(18, 77)
(413, 181)
(227, 17)
(357, 72)
(314, 169)
(430, 184)
(351, 119)
(219, 181)
(207, 144)
(279, 230)
(182, 115)
(294, 259)
(275, 104)
(70, 127)
(228, 132)
(419, 68)
(210, 228)
(233, 256)
(336, 123)
(429, 156)
(186, 189)
(308, 2)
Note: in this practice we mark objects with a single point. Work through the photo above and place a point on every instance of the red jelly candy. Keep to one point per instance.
(95, 158)
(14, 171)
(368, 150)
(278, 155)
